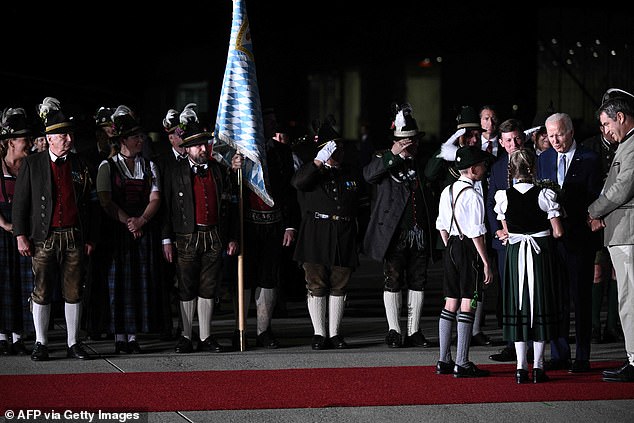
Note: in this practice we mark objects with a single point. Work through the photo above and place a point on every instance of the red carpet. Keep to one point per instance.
(296, 388)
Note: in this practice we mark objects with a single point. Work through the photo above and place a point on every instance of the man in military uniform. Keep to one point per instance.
(400, 228)
(329, 191)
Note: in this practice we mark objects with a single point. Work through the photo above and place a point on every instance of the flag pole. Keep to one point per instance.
(241, 322)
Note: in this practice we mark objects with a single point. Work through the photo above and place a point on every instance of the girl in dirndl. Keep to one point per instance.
(530, 217)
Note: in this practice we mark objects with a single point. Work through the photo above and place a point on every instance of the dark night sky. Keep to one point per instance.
(131, 49)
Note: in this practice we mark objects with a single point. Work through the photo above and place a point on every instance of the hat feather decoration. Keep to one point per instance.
(188, 115)
(8, 112)
(49, 104)
(170, 119)
(401, 112)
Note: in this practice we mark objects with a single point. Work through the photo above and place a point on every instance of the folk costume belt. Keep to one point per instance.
(321, 216)
(263, 216)
(528, 245)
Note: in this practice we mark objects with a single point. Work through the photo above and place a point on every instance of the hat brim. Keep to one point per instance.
(22, 133)
(60, 128)
(408, 134)
(336, 140)
(470, 126)
(197, 139)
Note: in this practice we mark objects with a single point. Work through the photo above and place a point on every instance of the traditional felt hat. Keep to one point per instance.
(193, 132)
(14, 124)
(103, 117)
(468, 118)
(125, 122)
(468, 156)
(404, 125)
(325, 131)
(55, 121)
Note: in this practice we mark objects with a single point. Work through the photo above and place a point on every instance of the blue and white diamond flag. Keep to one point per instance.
(239, 120)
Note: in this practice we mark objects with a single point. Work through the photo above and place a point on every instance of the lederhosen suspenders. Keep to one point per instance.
(453, 202)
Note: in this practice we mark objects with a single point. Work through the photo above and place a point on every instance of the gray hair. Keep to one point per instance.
(563, 117)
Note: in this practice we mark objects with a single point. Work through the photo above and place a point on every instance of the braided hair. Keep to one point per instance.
(521, 166)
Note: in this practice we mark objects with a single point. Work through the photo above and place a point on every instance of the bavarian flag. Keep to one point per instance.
(239, 121)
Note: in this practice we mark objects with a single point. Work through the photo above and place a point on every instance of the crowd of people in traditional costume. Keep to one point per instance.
(116, 235)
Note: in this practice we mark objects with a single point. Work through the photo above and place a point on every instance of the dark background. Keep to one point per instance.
(119, 53)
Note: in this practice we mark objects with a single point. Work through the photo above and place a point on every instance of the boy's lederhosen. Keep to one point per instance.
(461, 263)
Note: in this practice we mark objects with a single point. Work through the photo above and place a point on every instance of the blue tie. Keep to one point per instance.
(561, 170)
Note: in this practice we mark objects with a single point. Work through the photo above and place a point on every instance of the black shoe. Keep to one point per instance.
(596, 335)
(210, 344)
(579, 366)
(134, 347)
(5, 349)
(622, 374)
(40, 352)
(319, 343)
(121, 347)
(267, 340)
(18, 348)
(506, 354)
(77, 351)
(521, 376)
(469, 370)
(480, 340)
(443, 368)
(394, 339)
(417, 339)
(540, 376)
(557, 365)
(184, 346)
(338, 342)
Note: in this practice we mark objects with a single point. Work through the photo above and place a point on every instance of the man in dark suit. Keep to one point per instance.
(197, 221)
(165, 158)
(55, 219)
(577, 170)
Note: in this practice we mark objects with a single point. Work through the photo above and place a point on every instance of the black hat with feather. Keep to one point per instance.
(14, 124)
(193, 132)
(55, 121)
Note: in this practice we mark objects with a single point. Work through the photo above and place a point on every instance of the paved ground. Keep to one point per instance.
(364, 327)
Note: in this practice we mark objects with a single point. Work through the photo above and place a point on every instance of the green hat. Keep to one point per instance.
(326, 131)
(468, 118)
(471, 155)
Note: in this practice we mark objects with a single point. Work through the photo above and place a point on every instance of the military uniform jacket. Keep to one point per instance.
(389, 203)
(334, 193)
(616, 202)
(179, 213)
(33, 199)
